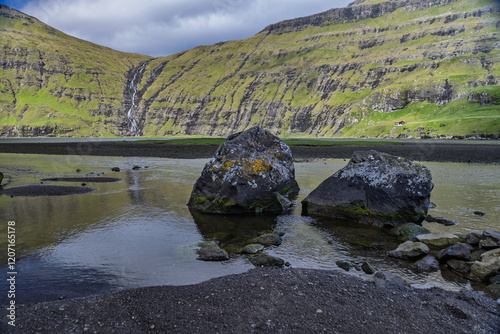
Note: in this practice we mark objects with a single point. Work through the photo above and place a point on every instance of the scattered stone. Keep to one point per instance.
(440, 220)
(462, 267)
(410, 250)
(347, 266)
(428, 263)
(409, 231)
(482, 270)
(115, 169)
(479, 213)
(270, 239)
(136, 167)
(374, 188)
(473, 238)
(457, 252)
(438, 240)
(78, 170)
(383, 279)
(246, 174)
(368, 268)
(212, 252)
(490, 239)
(252, 249)
(265, 260)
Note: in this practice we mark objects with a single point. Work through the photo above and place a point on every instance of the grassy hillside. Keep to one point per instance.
(55, 84)
(342, 77)
(350, 72)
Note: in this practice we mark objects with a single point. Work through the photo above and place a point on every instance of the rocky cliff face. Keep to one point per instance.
(53, 84)
(349, 72)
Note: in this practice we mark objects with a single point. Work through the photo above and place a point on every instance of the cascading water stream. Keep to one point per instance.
(133, 126)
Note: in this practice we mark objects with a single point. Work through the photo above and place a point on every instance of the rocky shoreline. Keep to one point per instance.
(268, 300)
(441, 151)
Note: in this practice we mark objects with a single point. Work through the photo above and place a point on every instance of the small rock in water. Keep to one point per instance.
(268, 240)
(265, 260)
(252, 249)
(428, 263)
(410, 250)
(78, 170)
(136, 167)
(438, 240)
(347, 266)
(387, 280)
(212, 252)
(479, 213)
(115, 169)
(368, 268)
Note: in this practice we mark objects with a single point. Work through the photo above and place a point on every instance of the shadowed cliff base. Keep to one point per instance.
(466, 152)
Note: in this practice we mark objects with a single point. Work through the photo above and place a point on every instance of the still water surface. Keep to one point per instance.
(138, 232)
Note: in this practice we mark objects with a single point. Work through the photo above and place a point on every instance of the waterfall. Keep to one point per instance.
(133, 126)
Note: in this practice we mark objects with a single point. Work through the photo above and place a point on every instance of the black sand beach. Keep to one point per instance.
(468, 152)
(266, 300)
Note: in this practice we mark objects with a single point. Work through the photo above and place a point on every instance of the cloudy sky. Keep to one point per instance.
(164, 27)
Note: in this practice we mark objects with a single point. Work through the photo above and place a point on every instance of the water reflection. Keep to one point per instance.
(139, 232)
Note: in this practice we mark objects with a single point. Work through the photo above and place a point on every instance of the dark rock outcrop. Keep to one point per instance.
(247, 174)
(374, 188)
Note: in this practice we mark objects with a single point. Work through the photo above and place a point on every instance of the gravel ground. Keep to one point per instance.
(267, 300)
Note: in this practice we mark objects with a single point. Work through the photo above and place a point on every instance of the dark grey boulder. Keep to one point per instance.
(384, 279)
(473, 238)
(490, 239)
(428, 263)
(461, 267)
(346, 265)
(457, 252)
(374, 188)
(251, 172)
(265, 260)
(368, 268)
(212, 252)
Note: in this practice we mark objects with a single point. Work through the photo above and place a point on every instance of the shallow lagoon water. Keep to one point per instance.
(138, 232)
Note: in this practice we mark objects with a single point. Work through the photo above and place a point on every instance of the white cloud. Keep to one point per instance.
(163, 27)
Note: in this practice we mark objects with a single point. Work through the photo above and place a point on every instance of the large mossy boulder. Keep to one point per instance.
(374, 188)
(251, 172)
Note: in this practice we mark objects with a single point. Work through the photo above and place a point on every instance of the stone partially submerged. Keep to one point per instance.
(374, 188)
(251, 172)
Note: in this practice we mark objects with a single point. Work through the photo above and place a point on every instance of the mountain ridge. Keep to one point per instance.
(348, 72)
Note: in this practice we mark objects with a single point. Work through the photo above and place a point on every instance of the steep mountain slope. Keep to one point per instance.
(347, 72)
(55, 84)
